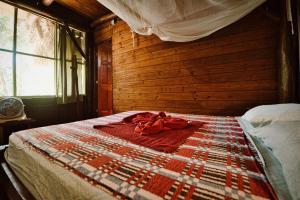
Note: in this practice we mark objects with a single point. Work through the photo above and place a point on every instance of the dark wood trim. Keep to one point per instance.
(14, 189)
(72, 36)
(14, 54)
(91, 75)
(288, 56)
(298, 38)
(95, 80)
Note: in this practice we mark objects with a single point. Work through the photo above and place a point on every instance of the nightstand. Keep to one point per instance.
(9, 127)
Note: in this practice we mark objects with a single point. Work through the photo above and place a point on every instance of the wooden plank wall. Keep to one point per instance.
(103, 33)
(224, 74)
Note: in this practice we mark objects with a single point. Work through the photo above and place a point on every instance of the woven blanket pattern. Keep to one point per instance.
(214, 163)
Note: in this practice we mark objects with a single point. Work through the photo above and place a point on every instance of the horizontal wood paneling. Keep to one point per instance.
(103, 33)
(224, 74)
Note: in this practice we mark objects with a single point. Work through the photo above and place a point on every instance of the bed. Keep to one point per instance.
(219, 161)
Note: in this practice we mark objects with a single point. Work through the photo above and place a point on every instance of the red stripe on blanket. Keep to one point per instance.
(159, 185)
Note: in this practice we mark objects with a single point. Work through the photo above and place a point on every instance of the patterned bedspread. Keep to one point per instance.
(214, 163)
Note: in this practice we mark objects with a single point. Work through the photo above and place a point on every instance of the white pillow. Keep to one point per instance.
(267, 114)
(283, 140)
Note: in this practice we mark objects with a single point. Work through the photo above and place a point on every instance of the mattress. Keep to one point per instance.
(215, 162)
(48, 180)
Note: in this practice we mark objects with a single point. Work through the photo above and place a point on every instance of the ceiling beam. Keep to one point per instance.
(103, 19)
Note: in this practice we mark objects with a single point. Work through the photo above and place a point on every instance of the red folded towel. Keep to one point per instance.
(149, 123)
(156, 131)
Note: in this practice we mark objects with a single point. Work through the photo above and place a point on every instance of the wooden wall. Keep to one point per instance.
(224, 74)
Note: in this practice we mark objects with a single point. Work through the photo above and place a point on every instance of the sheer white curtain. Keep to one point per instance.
(180, 20)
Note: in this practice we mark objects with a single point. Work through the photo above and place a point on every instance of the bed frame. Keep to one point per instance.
(10, 185)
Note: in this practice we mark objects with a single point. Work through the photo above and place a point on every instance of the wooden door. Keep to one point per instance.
(104, 79)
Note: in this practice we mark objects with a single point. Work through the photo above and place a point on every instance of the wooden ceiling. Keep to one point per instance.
(91, 9)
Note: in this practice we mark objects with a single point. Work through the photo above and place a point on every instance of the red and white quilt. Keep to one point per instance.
(216, 162)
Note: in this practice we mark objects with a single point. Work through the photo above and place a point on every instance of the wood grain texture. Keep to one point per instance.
(103, 33)
(223, 74)
(105, 79)
(89, 8)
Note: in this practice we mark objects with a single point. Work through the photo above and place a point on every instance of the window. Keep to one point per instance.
(6, 47)
(35, 76)
(27, 54)
(35, 61)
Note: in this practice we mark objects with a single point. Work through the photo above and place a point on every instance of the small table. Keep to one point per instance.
(9, 127)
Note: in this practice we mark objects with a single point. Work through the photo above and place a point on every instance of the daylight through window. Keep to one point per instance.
(27, 54)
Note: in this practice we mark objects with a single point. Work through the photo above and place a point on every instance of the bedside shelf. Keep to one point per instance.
(7, 128)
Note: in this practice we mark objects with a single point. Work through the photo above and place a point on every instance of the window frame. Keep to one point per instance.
(15, 52)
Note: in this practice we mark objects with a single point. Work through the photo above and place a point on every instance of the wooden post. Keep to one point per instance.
(287, 69)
